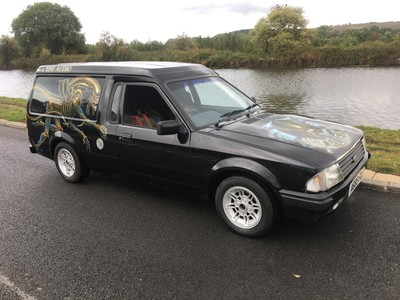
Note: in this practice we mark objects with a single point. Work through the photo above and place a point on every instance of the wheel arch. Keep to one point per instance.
(57, 138)
(237, 166)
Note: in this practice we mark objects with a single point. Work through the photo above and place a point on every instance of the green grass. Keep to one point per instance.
(384, 144)
(13, 109)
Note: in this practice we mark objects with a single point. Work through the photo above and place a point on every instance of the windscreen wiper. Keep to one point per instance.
(226, 116)
(231, 113)
(251, 106)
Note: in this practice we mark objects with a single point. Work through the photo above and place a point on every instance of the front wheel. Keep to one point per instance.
(68, 163)
(244, 206)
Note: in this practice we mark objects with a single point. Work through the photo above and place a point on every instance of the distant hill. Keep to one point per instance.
(391, 25)
(236, 32)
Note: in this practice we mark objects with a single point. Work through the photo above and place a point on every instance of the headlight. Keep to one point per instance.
(325, 179)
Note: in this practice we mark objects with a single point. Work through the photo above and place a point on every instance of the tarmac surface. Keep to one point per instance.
(112, 239)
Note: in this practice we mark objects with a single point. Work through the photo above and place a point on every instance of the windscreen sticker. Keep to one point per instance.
(55, 69)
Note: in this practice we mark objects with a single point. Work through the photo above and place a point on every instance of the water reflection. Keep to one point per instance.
(281, 103)
(16, 83)
(354, 96)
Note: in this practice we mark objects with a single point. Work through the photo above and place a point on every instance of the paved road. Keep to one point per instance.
(110, 239)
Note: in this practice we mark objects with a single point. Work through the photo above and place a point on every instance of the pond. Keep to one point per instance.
(16, 83)
(353, 96)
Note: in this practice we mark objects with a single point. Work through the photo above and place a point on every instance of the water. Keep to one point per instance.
(353, 96)
(16, 83)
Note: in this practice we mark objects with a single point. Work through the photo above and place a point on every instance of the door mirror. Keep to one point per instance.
(168, 127)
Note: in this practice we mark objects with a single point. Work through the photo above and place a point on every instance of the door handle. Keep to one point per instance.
(125, 136)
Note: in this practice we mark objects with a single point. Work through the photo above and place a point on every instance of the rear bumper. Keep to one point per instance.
(308, 206)
(32, 149)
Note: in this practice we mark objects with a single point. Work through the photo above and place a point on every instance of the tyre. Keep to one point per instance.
(68, 163)
(244, 206)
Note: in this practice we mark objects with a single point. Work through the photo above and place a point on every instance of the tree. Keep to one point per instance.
(48, 25)
(324, 35)
(182, 42)
(111, 48)
(148, 46)
(234, 41)
(285, 24)
(8, 50)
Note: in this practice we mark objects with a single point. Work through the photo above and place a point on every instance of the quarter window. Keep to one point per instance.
(114, 112)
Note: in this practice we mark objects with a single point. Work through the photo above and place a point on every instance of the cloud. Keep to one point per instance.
(243, 8)
(246, 8)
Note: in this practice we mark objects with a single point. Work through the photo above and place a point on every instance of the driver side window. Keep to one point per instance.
(143, 106)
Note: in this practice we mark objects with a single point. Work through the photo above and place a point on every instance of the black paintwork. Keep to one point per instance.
(279, 151)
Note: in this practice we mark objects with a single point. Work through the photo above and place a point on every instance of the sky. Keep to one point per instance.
(148, 20)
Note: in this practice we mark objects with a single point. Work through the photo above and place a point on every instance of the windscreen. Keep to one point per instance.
(204, 100)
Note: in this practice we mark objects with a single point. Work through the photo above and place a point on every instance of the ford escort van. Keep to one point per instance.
(183, 125)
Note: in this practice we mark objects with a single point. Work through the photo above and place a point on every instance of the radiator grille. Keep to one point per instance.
(352, 159)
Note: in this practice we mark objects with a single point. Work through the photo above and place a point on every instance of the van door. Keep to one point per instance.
(139, 149)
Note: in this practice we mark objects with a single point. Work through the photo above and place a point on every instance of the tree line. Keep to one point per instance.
(46, 33)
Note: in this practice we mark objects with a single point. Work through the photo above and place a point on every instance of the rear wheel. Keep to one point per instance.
(68, 163)
(244, 206)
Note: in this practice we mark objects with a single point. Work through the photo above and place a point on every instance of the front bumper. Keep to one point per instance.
(308, 206)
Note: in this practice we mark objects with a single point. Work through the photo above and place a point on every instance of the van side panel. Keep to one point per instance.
(65, 104)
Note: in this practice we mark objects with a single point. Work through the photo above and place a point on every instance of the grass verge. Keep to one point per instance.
(384, 144)
(13, 109)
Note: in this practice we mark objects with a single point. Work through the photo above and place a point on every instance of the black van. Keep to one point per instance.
(182, 124)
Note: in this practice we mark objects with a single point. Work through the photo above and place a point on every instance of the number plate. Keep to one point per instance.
(356, 181)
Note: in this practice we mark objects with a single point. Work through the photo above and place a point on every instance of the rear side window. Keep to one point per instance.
(69, 97)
